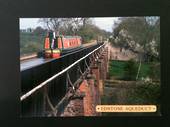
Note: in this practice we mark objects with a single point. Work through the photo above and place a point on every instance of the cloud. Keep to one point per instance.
(105, 23)
(29, 23)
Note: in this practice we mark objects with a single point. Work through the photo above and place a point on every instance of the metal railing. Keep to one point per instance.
(47, 93)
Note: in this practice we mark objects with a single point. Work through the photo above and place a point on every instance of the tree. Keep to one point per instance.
(52, 23)
(39, 31)
(83, 27)
(139, 34)
(68, 25)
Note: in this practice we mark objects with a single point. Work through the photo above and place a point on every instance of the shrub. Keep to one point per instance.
(145, 93)
(154, 72)
(130, 70)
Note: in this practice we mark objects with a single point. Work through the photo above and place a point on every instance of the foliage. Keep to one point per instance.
(65, 25)
(83, 27)
(117, 69)
(108, 99)
(31, 48)
(91, 32)
(130, 70)
(86, 33)
(30, 42)
(39, 31)
(140, 94)
(154, 71)
(140, 34)
(125, 70)
(145, 93)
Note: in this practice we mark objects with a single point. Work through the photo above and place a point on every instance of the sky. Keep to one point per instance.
(105, 23)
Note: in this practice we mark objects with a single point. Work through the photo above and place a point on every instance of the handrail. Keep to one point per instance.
(56, 75)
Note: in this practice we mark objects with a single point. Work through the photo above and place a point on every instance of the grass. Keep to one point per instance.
(145, 69)
(116, 69)
(141, 92)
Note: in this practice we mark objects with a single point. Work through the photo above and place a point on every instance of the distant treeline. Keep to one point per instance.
(33, 41)
(30, 43)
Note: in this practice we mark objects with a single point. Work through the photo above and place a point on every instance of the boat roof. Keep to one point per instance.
(69, 36)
